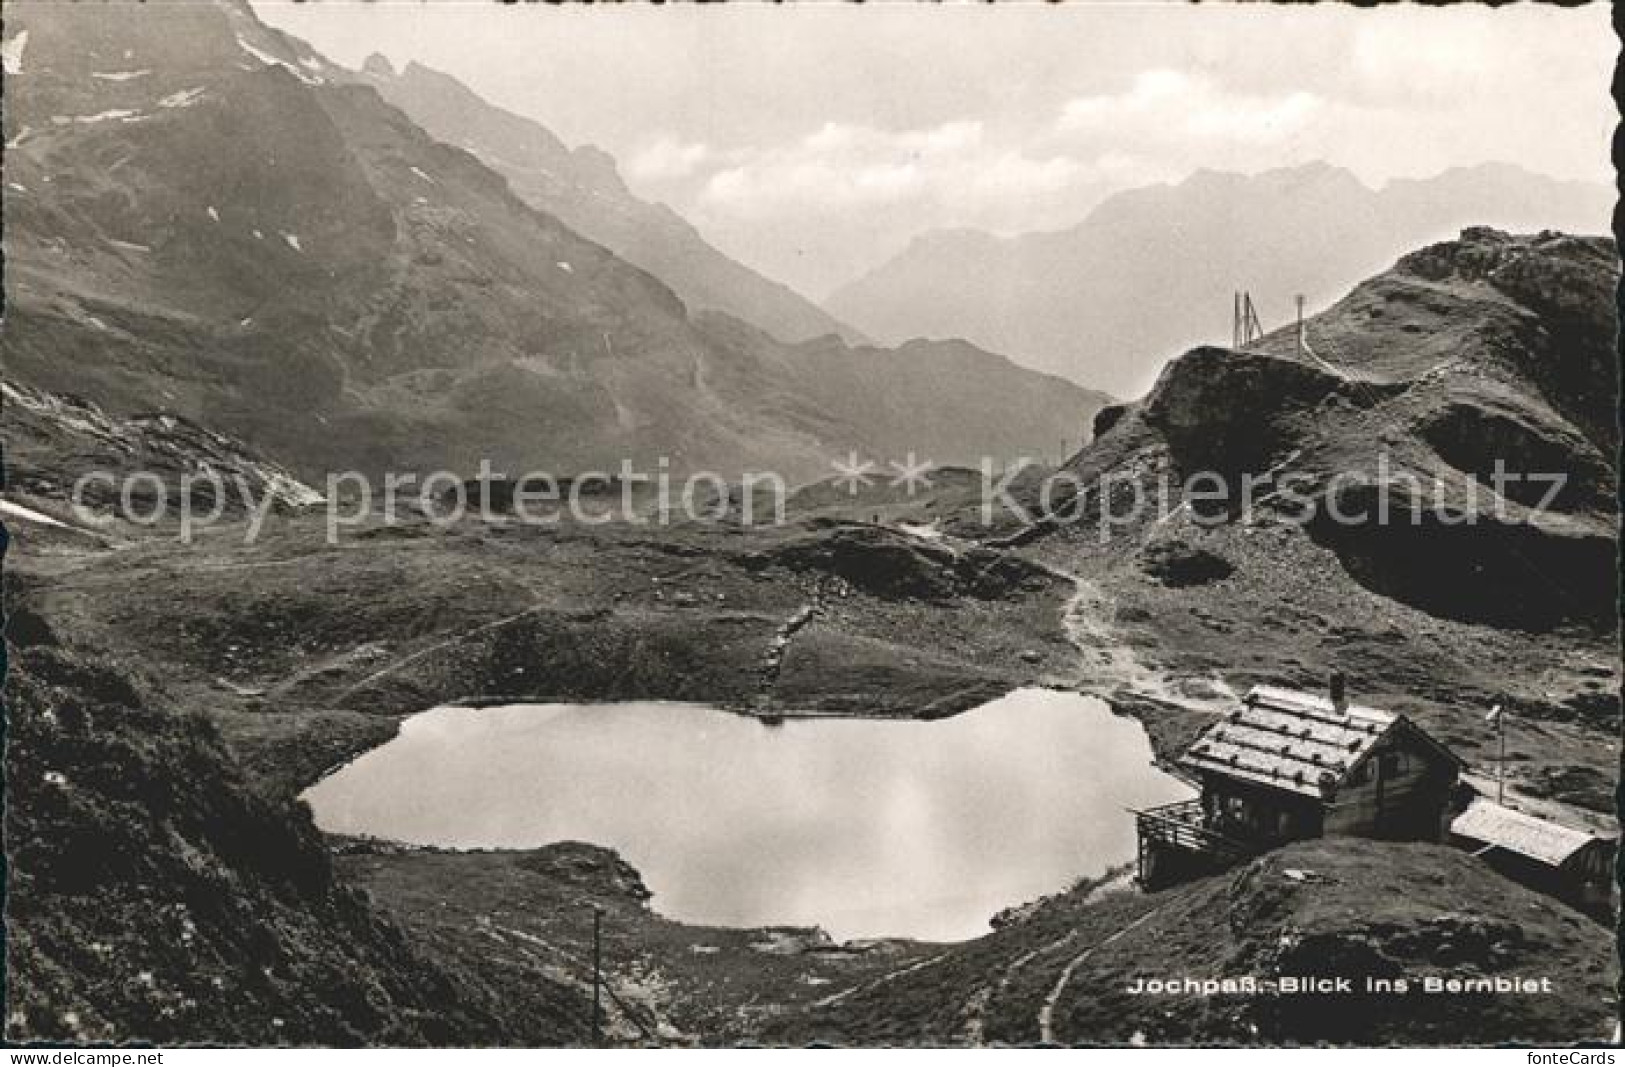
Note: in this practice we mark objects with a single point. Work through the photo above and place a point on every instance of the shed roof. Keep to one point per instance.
(1488, 823)
(1289, 740)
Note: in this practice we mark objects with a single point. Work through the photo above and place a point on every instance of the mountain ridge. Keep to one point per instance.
(1057, 299)
(583, 187)
(345, 292)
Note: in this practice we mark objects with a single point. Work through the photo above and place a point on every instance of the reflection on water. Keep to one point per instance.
(865, 827)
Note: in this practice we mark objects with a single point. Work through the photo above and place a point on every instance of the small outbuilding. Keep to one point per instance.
(1567, 863)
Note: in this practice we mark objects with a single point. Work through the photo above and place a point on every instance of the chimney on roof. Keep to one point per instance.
(1339, 691)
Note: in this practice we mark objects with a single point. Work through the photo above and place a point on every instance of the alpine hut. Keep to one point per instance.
(1286, 765)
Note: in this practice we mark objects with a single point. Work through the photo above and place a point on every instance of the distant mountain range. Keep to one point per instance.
(583, 188)
(207, 218)
(1152, 271)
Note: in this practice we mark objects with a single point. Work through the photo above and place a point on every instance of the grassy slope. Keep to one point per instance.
(301, 655)
(154, 895)
(1364, 908)
(1059, 971)
(306, 652)
(423, 619)
(527, 915)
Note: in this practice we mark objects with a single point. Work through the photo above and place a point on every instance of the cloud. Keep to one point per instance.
(667, 159)
(1167, 108)
(846, 165)
(1392, 64)
(769, 128)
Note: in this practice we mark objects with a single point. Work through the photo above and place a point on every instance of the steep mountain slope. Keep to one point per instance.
(1484, 351)
(205, 218)
(1152, 271)
(582, 188)
(153, 895)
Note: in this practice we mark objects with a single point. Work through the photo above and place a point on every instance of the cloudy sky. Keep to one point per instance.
(814, 141)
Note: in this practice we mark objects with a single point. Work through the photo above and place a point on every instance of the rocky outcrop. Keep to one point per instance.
(896, 567)
(1178, 564)
(1285, 913)
(173, 456)
(1234, 412)
(1566, 347)
(1446, 430)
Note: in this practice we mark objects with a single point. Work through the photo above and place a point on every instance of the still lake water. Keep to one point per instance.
(866, 827)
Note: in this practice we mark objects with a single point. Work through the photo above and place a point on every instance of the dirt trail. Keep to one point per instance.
(1046, 1011)
(863, 987)
(974, 1029)
(622, 1021)
(773, 659)
(429, 650)
(1108, 665)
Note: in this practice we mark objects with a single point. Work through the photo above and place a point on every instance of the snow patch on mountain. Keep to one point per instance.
(123, 113)
(184, 98)
(16, 511)
(269, 60)
(11, 53)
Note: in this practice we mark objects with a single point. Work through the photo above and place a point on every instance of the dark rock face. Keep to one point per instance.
(1107, 417)
(1471, 567)
(1234, 412)
(1177, 564)
(154, 896)
(889, 565)
(1473, 439)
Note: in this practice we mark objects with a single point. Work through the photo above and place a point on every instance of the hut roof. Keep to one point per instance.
(1488, 823)
(1293, 741)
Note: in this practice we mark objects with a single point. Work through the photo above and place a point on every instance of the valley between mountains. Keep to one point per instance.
(226, 677)
(224, 252)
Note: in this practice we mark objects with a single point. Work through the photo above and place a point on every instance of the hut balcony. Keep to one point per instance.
(1177, 843)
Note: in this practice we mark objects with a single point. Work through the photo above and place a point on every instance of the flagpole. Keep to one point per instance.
(1501, 784)
(1498, 716)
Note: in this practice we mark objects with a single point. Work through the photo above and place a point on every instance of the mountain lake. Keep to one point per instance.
(864, 827)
